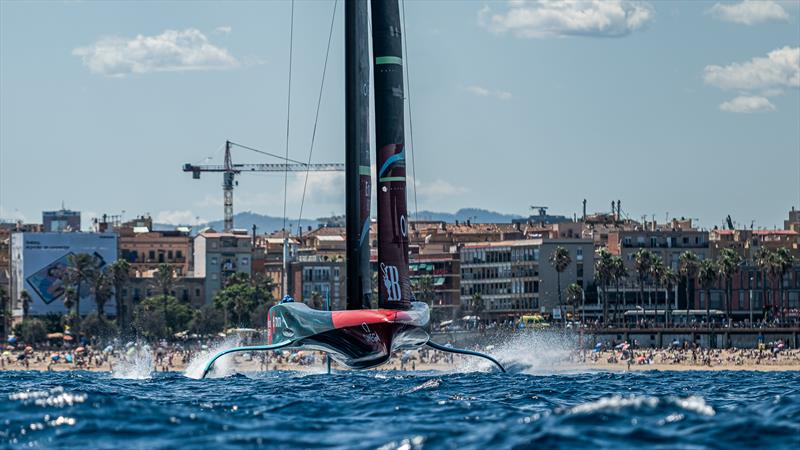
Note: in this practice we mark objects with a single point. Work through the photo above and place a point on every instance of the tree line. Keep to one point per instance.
(243, 302)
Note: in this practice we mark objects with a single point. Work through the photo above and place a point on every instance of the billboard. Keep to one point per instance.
(40, 262)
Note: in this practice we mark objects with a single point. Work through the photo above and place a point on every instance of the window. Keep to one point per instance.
(151, 254)
(178, 254)
(579, 254)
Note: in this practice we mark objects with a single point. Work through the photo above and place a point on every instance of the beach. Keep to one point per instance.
(424, 360)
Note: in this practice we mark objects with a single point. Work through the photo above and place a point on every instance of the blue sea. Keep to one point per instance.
(402, 410)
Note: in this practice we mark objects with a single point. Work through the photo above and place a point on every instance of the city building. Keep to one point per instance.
(514, 277)
(217, 255)
(39, 264)
(189, 290)
(61, 220)
(145, 250)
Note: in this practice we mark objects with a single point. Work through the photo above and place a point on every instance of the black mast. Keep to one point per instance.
(357, 170)
(394, 291)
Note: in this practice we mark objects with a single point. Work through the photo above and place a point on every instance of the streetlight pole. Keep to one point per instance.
(751, 300)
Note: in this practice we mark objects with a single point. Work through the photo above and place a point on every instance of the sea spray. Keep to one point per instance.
(529, 352)
(136, 363)
(222, 367)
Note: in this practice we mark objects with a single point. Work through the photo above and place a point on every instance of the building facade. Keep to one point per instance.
(61, 220)
(219, 255)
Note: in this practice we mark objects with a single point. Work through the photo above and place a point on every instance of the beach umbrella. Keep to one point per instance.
(55, 356)
(9, 347)
(80, 350)
(68, 337)
(12, 339)
(29, 349)
(6, 353)
(68, 357)
(108, 349)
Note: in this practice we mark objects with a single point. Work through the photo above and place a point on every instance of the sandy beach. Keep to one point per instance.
(646, 359)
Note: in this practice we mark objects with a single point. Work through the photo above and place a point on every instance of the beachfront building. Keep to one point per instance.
(188, 289)
(756, 296)
(513, 278)
(217, 255)
(146, 250)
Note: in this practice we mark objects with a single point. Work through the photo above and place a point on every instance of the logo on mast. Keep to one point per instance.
(391, 280)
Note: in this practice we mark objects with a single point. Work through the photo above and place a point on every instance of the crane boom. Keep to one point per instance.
(229, 170)
(239, 168)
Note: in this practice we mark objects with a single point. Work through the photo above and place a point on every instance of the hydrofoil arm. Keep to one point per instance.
(243, 349)
(466, 352)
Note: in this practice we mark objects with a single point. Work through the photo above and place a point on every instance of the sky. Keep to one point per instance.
(678, 109)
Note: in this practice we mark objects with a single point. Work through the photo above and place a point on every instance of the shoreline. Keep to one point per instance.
(458, 364)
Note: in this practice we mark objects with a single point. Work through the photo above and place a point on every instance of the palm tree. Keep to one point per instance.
(164, 281)
(618, 272)
(669, 278)
(560, 260)
(81, 269)
(707, 276)
(603, 272)
(120, 274)
(102, 287)
(729, 262)
(657, 269)
(476, 305)
(642, 260)
(688, 264)
(316, 300)
(764, 259)
(574, 295)
(783, 263)
(25, 298)
(70, 295)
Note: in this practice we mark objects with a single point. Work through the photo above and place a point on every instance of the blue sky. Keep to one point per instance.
(685, 108)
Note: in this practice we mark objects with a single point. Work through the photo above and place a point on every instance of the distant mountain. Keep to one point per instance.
(246, 220)
(475, 215)
(267, 224)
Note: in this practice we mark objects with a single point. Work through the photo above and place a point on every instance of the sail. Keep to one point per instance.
(394, 287)
(358, 184)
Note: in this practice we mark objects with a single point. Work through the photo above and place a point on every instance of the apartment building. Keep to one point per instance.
(145, 250)
(218, 255)
(515, 277)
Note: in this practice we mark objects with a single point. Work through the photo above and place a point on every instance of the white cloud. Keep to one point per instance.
(749, 12)
(766, 76)
(225, 29)
(780, 68)
(178, 217)
(169, 51)
(438, 189)
(481, 91)
(747, 104)
(554, 18)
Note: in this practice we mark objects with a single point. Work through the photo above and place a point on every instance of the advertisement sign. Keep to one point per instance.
(40, 263)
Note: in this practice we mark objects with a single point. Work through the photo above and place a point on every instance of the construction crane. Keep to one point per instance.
(542, 210)
(230, 170)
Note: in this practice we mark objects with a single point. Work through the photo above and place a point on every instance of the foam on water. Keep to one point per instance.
(223, 367)
(532, 352)
(136, 364)
(617, 402)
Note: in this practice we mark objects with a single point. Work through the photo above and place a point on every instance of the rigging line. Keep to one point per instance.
(288, 117)
(267, 153)
(410, 120)
(316, 116)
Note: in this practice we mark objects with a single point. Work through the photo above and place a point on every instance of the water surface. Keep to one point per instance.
(368, 410)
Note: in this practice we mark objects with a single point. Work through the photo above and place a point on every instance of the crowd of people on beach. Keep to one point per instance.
(774, 353)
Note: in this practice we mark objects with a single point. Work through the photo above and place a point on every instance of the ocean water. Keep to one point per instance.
(402, 410)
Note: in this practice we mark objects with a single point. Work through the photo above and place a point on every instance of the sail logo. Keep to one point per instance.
(391, 280)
